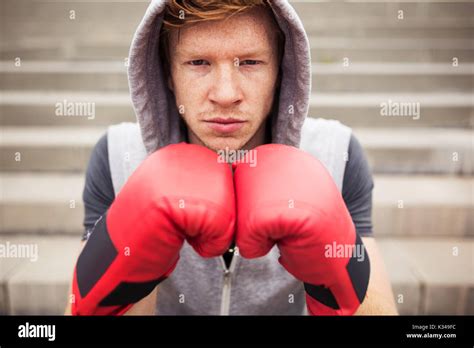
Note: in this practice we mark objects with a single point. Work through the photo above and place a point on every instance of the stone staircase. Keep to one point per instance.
(363, 54)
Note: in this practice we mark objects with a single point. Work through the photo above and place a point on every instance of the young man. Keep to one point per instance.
(226, 76)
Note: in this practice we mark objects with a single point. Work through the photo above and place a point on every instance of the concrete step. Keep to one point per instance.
(38, 282)
(64, 75)
(379, 28)
(28, 108)
(431, 276)
(41, 203)
(394, 151)
(428, 276)
(332, 49)
(335, 77)
(47, 148)
(32, 108)
(395, 109)
(418, 206)
(392, 77)
(423, 206)
(66, 49)
(355, 11)
(418, 150)
(391, 43)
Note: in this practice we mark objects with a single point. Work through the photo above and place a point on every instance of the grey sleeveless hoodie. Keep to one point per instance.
(207, 286)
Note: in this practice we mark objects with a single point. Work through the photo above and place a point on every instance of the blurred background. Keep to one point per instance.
(365, 55)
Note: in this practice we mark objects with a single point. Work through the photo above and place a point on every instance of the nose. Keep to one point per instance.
(225, 90)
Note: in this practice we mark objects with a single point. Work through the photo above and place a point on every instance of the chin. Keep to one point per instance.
(217, 144)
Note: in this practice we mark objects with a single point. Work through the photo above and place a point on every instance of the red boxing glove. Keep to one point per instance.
(179, 192)
(290, 199)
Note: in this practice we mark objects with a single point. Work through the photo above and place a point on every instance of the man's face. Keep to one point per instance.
(224, 74)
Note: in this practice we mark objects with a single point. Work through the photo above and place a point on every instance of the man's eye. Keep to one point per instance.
(198, 62)
(249, 62)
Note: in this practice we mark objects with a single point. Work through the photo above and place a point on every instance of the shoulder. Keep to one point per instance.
(327, 140)
(98, 193)
(357, 187)
(98, 167)
(357, 174)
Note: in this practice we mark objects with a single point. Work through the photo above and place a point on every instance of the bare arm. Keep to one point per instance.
(145, 306)
(379, 298)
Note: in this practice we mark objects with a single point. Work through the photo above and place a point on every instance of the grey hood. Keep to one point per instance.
(155, 106)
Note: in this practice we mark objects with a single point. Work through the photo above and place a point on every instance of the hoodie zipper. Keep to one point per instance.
(227, 282)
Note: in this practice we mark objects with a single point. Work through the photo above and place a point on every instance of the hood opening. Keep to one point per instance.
(154, 104)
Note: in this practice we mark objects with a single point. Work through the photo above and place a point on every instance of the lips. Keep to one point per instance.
(225, 125)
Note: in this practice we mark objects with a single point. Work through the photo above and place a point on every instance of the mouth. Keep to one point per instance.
(225, 125)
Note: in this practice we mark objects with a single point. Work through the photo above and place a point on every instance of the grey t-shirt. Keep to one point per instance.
(357, 187)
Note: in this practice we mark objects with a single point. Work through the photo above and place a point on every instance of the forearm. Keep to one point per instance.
(379, 299)
(145, 306)
(70, 296)
(377, 303)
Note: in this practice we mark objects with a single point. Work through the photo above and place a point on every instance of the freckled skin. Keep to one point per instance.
(226, 68)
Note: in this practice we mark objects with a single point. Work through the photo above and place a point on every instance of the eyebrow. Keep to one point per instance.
(246, 53)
